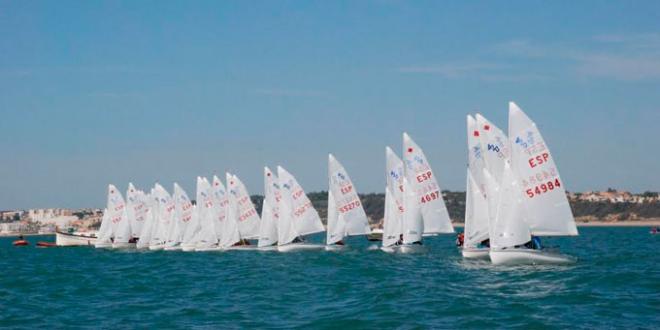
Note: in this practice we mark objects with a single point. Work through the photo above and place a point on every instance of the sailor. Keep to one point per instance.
(460, 239)
(485, 243)
(534, 244)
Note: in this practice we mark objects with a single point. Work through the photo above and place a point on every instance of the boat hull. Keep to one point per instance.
(476, 253)
(528, 257)
(173, 248)
(335, 247)
(241, 248)
(156, 247)
(298, 247)
(123, 245)
(213, 248)
(66, 239)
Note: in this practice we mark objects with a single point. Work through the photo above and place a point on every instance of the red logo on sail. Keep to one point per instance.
(476, 133)
(410, 149)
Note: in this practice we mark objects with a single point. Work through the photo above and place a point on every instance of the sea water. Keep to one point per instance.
(615, 283)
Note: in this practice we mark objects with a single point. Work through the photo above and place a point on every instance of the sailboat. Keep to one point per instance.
(269, 211)
(136, 210)
(393, 218)
(213, 224)
(476, 202)
(204, 204)
(149, 222)
(532, 198)
(241, 215)
(297, 215)
(425, 213)
(164, 216)
(119, 219)
(104, 235)
(346, 216)
(184, 212)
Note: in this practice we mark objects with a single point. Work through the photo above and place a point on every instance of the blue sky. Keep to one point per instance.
(95, 92)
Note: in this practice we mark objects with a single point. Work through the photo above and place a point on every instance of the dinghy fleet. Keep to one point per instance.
(513, 194)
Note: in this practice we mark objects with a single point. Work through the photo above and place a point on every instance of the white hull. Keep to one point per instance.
(528, 257)
(105, 245)
(173, 248)
(156, 247)
(390, 249)
(475, 253)
(125, 245)
(298, 246)
(334, 247)
(212, 248)
(188, 247)
(65, 239)
(268, 248)
(241, 248)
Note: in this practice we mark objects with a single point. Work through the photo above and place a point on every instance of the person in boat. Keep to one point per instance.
(340, 243)
(485, 243)
(20, 237)
(298, 240)
(460, 239)
(534, 244)
(242, 242)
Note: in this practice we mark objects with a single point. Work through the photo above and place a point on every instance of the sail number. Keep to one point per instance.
(430, 196)
(543, 188)
(349, 206)
(346, 189)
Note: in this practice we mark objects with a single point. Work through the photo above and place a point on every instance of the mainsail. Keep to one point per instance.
(349, 217)
(393, 218)
(230, 231)
(117, 209)
(248, 218)
(546, 205)
(269, 210)
(425, 189)
(297, 214)
(476, 204)
(136, 209)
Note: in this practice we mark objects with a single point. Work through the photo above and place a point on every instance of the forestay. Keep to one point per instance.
(425, 189)
(343, 200)
(548, 211)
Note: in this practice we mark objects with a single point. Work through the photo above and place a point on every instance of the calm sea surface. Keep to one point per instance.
(614, 284)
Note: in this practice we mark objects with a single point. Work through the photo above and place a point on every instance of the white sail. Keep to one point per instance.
(230, 231)
(202, 199)
(351, 218)
(205, 235)
(104, 235)
(476, 214)
(392, 226)
(476, 204)
(426, 189)
(248, 218)
(393, 220)
(117, 209)
(136, 209)
(548, 211)
(495, 147)
(297, 214)
(164, 215)
(149, 220)
(269, 210)
(510, 227)
(412, 221)
(220, 202)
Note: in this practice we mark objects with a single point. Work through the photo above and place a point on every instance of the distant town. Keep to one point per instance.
(592, 206)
